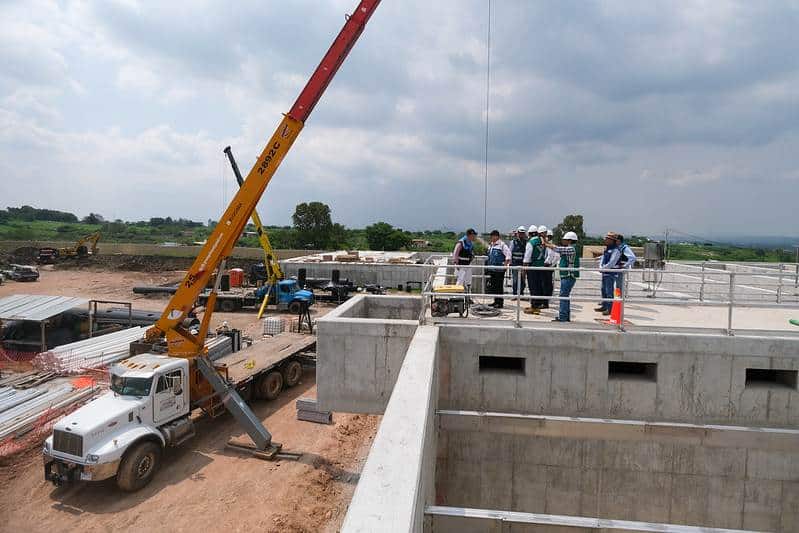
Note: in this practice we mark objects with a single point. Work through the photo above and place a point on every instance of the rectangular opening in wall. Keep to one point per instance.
(498, 363)
(633, 370)
(768, 377)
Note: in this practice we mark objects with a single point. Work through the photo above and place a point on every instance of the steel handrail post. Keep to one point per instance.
(519, 274)
(625, 282)
(702, 286)
(731, 302)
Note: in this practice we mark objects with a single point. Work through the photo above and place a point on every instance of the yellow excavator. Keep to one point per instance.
(83, 248)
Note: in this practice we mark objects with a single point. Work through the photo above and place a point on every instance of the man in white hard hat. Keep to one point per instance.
(548, 277)
(534, 255)
(569, 260)
(517, 247)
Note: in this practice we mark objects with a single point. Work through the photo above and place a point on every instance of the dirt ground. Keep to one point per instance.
(201, 484)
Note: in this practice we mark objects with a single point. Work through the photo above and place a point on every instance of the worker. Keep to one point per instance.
(517, 247)
(627, 256)
(627, 260)
(532, 231)
(498, 257)
(463, 255)
(534, 255)
(551, 259)
(568, 259)
(610, 262)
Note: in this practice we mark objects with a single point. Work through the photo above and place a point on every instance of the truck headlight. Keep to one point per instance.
(91, 458)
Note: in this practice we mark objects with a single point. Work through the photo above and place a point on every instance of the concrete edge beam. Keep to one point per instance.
(392, 490)
(630, 331)
(717, 436)
(582, 522)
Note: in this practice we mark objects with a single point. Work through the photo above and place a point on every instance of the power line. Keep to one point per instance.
(488, 101)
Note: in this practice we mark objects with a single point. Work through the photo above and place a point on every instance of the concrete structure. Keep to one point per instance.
(373, 268)
(370, 337)
(552, 429)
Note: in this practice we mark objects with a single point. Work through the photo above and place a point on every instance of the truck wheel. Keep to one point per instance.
(138, 466)
(292, 373)
(270, 385)
(295, 308)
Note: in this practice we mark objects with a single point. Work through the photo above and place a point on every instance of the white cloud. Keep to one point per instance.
(132, 103)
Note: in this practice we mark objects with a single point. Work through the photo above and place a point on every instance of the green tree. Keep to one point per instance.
(570, 223)
(384, 236)
(93, 218)
(313, 225)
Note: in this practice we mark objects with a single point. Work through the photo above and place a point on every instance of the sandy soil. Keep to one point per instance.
(201, 484)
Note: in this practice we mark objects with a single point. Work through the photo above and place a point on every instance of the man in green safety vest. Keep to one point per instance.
(569, 260)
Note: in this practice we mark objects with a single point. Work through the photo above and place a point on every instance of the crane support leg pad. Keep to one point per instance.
(272, 453)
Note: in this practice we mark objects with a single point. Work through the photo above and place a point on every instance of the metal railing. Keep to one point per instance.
(689, 285)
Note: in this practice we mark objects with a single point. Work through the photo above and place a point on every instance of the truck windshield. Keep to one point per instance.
(131, 386)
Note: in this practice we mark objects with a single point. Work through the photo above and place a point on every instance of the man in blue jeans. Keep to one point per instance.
(569, 259)
(517, 259)
(609, 261)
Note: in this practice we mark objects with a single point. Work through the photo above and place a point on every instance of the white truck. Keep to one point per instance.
(123, 432)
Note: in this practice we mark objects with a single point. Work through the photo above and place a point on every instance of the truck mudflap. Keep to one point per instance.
(61, 473)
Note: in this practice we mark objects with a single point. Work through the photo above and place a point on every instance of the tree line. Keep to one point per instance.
(313, 228)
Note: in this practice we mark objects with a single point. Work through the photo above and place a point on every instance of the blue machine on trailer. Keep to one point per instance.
(287, 295)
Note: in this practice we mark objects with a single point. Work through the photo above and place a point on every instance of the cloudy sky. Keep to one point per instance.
(638, 115)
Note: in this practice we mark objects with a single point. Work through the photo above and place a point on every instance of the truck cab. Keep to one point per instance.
(123, 432)
(287, 295)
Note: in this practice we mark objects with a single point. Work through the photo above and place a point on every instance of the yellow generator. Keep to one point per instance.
(449, 299)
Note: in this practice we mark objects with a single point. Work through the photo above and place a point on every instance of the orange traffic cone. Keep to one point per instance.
(615, 311)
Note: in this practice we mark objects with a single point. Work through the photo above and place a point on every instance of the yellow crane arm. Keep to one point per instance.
(273, 270)
(219, 245)
(180, 341)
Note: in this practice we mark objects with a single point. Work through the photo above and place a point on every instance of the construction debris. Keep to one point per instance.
(308, 411)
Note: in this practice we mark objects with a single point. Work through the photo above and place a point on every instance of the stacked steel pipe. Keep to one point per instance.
(89, 353)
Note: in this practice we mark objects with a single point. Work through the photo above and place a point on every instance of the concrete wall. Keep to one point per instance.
(385, 274)
(687, 441)
(664, 475)
(404, 449)
(359, 354)
(699, 379)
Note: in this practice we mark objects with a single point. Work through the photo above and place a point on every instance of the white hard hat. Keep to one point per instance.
(542, 229)
(521, 229)
(549, 233)
(533, 229)
(571, 236)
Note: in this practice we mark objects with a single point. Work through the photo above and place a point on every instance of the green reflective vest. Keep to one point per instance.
(539, 252)
(574, 262)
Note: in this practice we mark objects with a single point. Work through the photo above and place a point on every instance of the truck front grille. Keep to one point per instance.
(66, 442)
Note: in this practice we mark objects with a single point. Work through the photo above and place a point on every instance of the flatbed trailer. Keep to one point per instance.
(262, 370)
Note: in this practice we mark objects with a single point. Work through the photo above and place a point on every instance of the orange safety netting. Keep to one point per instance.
(34, 434)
